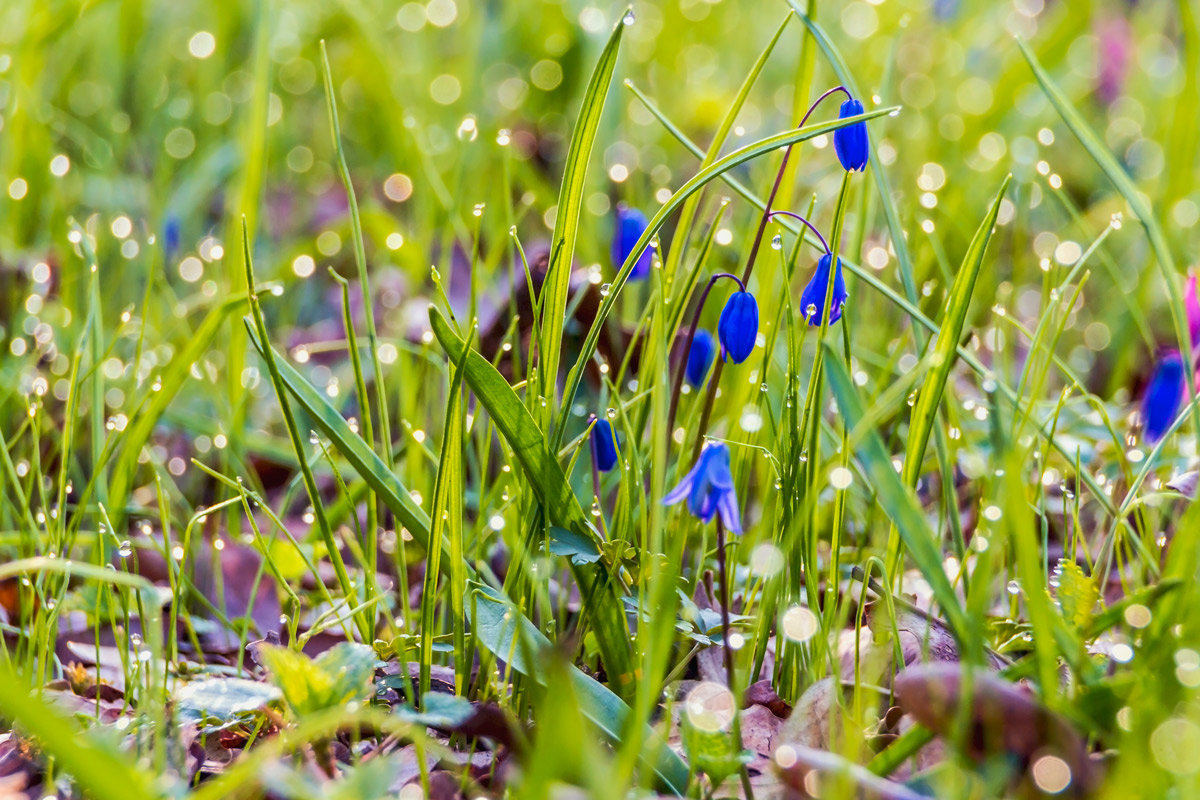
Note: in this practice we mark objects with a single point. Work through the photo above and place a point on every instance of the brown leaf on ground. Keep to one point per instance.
(805, 771)
(763, 693)
(1003, 719)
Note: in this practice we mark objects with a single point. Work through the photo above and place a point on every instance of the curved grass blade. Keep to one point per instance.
(495, 625)
(929, 397)
(365, 461)
(570, 207)
(365, 624)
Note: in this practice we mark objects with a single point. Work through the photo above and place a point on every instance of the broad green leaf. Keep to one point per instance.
(339, 675)
(580, 549)
(223, 698)
(497, 625)
(570, 205)
(438, 710)
(896, 499)
(546, 478)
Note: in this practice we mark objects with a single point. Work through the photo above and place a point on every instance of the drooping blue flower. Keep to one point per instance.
(172, 232)
(604, 445)
(708, 488)
(700, 358)
(630, 225)
(850, 142)
(812, 300)
(1163, 396)
(738, 327)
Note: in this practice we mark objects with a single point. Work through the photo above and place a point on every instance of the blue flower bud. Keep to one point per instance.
(850, 142)
(738, 326)
(172, 231)
(604, 445)
(700, 358)
(630, 225)
(1163, 396)
(812, 300)
(708, 488)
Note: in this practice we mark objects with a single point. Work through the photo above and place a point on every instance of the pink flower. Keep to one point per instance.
(1191, 304)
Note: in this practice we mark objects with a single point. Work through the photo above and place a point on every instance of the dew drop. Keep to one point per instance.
(777, 242)
(629, 18)
(125, 548)
(1014, 588)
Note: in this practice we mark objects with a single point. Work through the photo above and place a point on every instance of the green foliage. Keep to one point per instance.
(338, 676)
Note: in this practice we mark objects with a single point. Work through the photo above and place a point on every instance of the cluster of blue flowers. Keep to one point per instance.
(708, 488)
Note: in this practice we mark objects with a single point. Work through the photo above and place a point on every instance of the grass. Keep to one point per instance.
(306, 309)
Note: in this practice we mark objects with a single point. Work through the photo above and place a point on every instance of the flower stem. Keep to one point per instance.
(706, 414)
(677, 386)
(723, 587)
(811, 227)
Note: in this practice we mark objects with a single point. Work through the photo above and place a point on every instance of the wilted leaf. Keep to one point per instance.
(795, 763)
(1003, 718)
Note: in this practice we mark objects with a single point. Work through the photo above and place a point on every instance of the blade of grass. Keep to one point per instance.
(896, 498)
(495, 623)
(364, 622)
(569, 210)
(929, 396)
(547, 480)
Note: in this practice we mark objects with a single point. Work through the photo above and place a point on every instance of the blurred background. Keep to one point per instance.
(156, 126)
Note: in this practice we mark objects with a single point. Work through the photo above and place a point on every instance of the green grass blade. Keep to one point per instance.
(447, 523)
(896, 499)
(570, 207)
(929, 397)
(496, 624)
(357, 452)
(365, 625)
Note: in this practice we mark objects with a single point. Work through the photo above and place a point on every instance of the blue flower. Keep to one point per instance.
(604, 445)
(1163, 396)
(630, 226)
(812, 300)
(850, 142)
(700, 358)
(738, 327)
(172, 231)
(708, 488)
